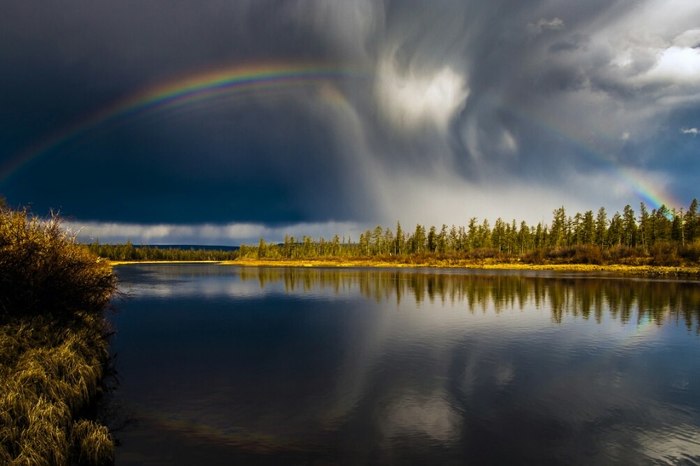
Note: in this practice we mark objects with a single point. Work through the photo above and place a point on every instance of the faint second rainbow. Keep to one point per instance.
(651, 192)
(181, 91)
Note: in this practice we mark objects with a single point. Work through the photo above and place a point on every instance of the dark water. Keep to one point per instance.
(224, 365)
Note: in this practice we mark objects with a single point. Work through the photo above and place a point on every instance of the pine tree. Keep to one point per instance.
(601, 227)
(557, 232)
(629, 227)
(399, 242)
(419, 239)
(691, 223)
(432, 239)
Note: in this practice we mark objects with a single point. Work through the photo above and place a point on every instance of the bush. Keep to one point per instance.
(43, 270)
(587, 254)
(664, 254)
(620, 254)
(535, 256)
(691, 252)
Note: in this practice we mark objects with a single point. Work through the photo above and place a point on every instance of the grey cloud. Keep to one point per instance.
(480, 94)
(543, 25)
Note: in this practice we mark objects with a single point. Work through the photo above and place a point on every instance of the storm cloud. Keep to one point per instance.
(445, 110)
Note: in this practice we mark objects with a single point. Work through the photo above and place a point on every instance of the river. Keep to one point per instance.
(231, 365)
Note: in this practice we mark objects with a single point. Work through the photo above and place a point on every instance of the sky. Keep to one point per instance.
(218, 121)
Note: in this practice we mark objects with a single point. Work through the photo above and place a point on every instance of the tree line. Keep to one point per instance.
(130, 252)
(659, 236)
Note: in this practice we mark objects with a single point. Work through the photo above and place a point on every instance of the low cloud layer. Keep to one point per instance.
(206, 234)
(445, 110)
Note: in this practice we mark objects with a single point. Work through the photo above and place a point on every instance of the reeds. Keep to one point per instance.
(53, 344)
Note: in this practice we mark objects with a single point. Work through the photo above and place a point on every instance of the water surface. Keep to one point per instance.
(219, 365)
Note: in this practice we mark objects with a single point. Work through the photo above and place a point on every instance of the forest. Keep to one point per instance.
(660, 236)
(128, 252)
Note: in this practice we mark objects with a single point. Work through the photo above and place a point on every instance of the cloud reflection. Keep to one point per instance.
(390, 366)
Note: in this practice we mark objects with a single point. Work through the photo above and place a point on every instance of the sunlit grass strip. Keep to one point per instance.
(468, 264)
(53, 345)
(47, 376)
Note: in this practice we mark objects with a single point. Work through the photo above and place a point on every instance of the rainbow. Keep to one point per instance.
(652, 195)
(184, 92)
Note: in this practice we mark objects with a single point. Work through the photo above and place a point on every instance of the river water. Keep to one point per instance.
(230, 365)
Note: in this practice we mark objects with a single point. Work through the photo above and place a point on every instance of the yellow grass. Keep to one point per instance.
(113, 263)
(53, 345)
(463, 264)
(48, 374)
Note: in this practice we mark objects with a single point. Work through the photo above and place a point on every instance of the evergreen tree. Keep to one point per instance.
(601, 227)
(432, 239)
(644, 226)
(419, 240)
(442, 240)
(588, 228)
(399, 241)
(691, 224)
(262, 249)
(557, 232)
(629, 227)
(662, 224)
(472, 235)
(615, 230)
(498, 235)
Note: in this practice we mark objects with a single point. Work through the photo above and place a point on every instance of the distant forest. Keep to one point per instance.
(130, 252)
(661, 236)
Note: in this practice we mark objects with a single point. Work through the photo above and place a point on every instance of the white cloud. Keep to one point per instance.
(691, 131)
(206, 234)
(677, 64)
(412, 99)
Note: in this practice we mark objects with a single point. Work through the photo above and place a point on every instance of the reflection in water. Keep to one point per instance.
(577, 295)
(360, 366)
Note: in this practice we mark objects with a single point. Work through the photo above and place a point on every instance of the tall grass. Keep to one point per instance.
(53, 345)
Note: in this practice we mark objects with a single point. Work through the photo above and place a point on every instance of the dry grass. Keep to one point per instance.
(467, 264)
(94, 443)
(43, 270)
(53, 345)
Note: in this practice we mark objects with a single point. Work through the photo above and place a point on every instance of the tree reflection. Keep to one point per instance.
(581, 296)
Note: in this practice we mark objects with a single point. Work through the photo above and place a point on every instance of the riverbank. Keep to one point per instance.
(53, 345)
(51, 375)
(622, 269)
(647, 270)
(113, 263)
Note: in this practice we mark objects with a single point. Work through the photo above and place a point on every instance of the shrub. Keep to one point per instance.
(43, 270)
(664, 254)
(587, 254)
(535, 256)
(691, 252)
(619, 254)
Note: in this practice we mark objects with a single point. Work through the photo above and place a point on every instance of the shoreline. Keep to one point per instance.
(613, 268)
(621, 269)
(113, 263)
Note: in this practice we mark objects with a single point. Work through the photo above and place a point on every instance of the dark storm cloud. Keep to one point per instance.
(453, 99)
(246, 162)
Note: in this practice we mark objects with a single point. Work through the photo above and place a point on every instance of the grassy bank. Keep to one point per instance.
(111, 262)
(53, 345)
(466, 264)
